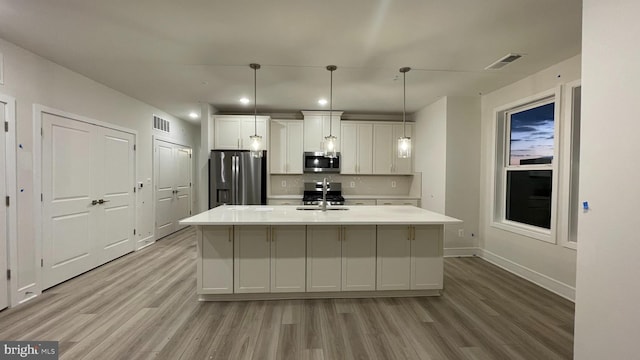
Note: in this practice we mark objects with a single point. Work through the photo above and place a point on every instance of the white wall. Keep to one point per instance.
(32, 79)
(447, 149)
(430, 153)
(608, 295)
(463, 171)
(550, 265)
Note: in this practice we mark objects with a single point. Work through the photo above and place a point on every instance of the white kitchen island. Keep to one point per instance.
(281, 252)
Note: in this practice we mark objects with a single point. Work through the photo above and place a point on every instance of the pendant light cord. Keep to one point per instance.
(404, 71)
(331, 104)
(255, 101)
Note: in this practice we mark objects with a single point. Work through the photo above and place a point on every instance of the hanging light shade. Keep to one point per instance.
(255, 141)
(330, 142)
(404, 142)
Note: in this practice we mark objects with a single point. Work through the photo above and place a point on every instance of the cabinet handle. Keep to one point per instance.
(413, 232)
(230, 235)
(409, 233)
(344, 234)
(273, 235)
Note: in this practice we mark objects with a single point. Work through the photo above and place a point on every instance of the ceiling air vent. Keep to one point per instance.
(161, 124)
(504, 61)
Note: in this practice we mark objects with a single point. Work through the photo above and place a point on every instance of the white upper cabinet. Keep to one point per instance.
(356, 147)
(385, 149)
(232, 132)
(316, 127)
(286, 149)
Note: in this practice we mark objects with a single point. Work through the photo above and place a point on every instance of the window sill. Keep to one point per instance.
(525, 230)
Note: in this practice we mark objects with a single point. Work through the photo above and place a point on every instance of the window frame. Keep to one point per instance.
(501, 165)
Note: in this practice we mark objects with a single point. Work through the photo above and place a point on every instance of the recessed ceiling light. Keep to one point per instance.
(244, 100)
(322, 102)
(193, 115)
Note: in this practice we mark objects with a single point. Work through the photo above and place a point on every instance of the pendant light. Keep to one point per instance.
(255, 140)
(330, 142)
(404, 142)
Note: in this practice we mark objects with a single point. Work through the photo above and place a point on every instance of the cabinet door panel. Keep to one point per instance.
(365, 148)
(359, 258)
(383, 150)
(215, 265)
(251, 259)
(278, 151)
(313, 133)
(227, 133)
(323, 258)
(294, 147)
(426, 258)
(394, 258)
(288, 263)
(349, 153)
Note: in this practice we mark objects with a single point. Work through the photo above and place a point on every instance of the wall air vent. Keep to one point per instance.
(161, 124)
(504, 61)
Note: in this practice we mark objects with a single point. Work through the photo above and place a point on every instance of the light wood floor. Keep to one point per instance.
(144, 306)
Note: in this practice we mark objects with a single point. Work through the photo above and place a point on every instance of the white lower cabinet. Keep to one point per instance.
(341, 258)
(288, 262)
(215, 265)
(409, 257)
(358, 258)
(269, 259)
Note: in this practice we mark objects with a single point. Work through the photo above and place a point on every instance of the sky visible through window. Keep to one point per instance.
(531, 138)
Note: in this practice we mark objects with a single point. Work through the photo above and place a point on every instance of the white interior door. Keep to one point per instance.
(4, 286)
(68, 184)
(164, 179)
(115, 187)
(172, 164)
(182, 208)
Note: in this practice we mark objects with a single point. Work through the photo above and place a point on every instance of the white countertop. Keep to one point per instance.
(373, 197)
(288, 215)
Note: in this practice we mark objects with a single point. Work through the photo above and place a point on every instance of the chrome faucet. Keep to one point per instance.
(324, 195)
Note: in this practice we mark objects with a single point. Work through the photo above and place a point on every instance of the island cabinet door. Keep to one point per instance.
(393, 258)
(324, 258)
(215, 260)
(426, 257)
(288, 252)
(359, 258)
(251, 255)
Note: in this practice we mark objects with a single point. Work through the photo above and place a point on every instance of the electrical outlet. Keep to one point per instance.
(393, 184)
(460, 232)
(283, 183)
(352, 184)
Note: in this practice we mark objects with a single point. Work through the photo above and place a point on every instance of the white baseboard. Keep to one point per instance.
(461, 252)
(566, 291)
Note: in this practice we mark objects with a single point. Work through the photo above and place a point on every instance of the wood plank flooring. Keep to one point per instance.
(144, 306)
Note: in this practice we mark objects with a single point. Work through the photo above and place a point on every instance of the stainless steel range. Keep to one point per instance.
(313, 193)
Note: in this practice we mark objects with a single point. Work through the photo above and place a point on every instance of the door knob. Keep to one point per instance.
(94, 202)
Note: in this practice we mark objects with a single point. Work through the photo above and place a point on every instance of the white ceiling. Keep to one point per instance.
(175, 54)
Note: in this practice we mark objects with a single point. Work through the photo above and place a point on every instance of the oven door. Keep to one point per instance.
(315, 162)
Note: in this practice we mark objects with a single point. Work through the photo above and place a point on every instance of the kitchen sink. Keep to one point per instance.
(311, 208)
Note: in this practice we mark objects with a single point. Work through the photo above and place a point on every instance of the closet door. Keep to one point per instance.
(70, 220)
(116, 203)
(172, 175)
(164, 169)
(4, 286)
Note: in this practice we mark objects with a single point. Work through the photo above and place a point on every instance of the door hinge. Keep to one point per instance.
(134, 231)
(189, 156)
(41, 197)
(134, 189)
(7, 200)
(6, 126)
(8, 274)
(41, 132)
(41, 262)
(189, 184)
(189, 212)
(134, 147)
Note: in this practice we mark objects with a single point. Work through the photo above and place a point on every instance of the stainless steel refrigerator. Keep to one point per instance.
(237, 178)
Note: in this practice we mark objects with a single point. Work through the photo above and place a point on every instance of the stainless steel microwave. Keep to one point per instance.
(315, 162)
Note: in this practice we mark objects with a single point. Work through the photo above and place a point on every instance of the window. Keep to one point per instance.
(525, 174)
